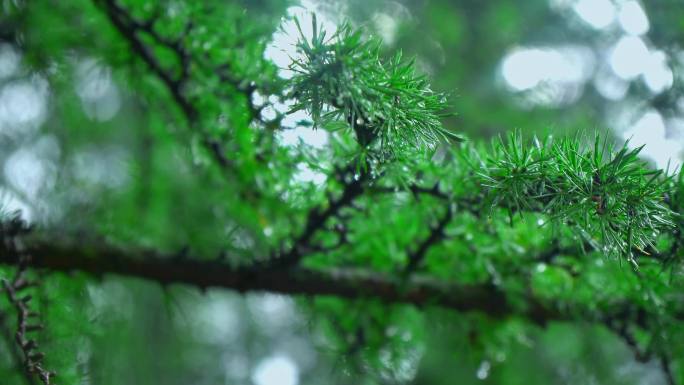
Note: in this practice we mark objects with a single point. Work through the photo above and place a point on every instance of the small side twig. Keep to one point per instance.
(436, 234)
(27, 320)
(27, 324)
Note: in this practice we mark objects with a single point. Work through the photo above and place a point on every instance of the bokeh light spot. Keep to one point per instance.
(599, 14)
(276, 370)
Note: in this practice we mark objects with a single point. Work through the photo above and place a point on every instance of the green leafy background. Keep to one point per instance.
(574, 221)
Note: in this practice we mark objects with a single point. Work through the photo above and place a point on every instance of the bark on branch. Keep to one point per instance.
(99, 259)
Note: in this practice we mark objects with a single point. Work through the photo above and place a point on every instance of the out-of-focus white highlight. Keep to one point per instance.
(218, 319)
(9, 60)
(276, 370)
(388, 20)
(100, 166)
(555, 75)
(306, 174)
(628, 57)
(295, 134)
(649, 130)
(386, 26)
(483, 370)
(561, 4)
(98, 93)
(282, 51)
(633, 19)
(316, 138)
(525, 68)
(599, 14)
(519, 69)
(283, 48)
(10, 204)
(657, 74)
(23, 106)
(32, 169)
(271, 311)
(609, 85)
(26, 172)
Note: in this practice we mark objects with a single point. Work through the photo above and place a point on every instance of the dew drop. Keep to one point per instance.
(483, 370)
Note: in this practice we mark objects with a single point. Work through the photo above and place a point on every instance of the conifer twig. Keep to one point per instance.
(27, 319)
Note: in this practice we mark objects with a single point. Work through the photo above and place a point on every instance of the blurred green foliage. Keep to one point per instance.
(169, 126)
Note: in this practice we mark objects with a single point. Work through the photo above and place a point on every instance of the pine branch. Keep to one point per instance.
(6, 333)
(132, 29)
(353, 186)
(26, 325)
(98, 259)
(436, 234)
(343, 78)
(641, 355)
(11, 233)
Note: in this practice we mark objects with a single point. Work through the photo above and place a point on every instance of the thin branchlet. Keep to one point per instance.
(15, 289)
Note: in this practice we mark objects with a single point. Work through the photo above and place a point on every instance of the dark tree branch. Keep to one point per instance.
(98, 259)
(27, 319)
(14, 349)
(667, 370)
(26, 324)
(436, 234)
(640, 354)
(318, 216)
(130, 29)
(622, 331)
